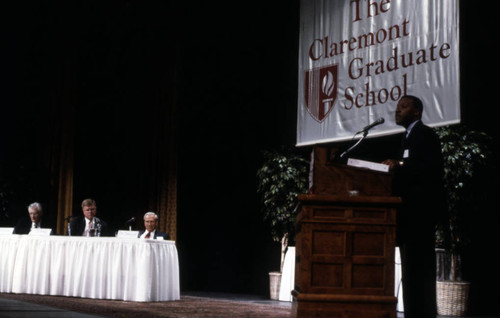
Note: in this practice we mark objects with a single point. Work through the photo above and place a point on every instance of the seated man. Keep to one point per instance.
(151, 225)
(25, 225)
(88, 224)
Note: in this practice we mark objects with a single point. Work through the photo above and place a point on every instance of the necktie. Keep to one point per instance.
(148, 235)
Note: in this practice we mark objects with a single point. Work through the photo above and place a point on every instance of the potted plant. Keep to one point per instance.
(465, 153)
(281, 178)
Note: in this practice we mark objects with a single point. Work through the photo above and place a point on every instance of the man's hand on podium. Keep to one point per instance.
(392, 163)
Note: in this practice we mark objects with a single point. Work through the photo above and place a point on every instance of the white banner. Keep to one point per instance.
(358, 57)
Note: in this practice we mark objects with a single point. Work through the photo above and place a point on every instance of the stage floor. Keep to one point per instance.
(192, 304)
(10, 308)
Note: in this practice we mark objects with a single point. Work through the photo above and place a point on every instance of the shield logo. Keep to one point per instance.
(321, 91)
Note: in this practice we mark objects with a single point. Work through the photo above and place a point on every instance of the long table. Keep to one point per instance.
(90, 267)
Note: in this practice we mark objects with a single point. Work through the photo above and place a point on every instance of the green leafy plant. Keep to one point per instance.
(281, 178)
(465, 153)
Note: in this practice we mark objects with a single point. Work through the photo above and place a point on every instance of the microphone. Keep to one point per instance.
(132, 220)
(68, 218)
(379, 121)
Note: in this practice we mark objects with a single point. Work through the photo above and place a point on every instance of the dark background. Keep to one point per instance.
(227, 72)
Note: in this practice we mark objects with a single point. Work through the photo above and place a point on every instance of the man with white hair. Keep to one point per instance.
(151, 227)
(25, 225)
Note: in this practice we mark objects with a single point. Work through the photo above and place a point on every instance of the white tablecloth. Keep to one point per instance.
(288, 275)
(91, 267)
(398, 283)
(8, 250)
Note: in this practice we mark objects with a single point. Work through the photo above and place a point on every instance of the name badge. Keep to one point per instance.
(406, 153)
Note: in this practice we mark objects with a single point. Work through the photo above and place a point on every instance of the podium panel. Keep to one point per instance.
(345, 256)
(329, 177)
(345, 243)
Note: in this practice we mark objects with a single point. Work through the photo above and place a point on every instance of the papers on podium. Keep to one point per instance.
(368, 165)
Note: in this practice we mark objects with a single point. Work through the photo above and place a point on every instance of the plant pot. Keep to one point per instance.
(452, 298)
(274, 285)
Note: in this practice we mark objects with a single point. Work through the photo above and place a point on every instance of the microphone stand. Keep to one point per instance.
(97, 226)
(365, 133)
(129, 223)
(69, 224)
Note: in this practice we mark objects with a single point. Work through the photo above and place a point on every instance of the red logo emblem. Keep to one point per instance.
(321, 91)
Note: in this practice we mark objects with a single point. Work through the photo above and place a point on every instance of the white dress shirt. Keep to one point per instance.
(88, 226)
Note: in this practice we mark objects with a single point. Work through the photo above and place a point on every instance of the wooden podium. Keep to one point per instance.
(345, 243)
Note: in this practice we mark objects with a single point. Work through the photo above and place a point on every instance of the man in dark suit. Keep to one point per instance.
(418, 180)
(88, 224)
(151, 225)
(34, 220)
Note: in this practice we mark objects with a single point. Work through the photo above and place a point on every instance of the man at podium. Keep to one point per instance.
(418, 180)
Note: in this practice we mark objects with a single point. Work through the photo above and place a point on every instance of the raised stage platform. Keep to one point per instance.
(193, 304)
